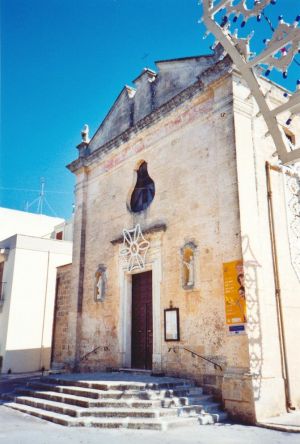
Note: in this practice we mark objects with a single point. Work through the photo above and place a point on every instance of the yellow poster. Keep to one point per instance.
(234, 292)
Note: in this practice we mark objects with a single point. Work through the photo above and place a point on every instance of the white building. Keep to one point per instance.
(27, 288)
(21, 222)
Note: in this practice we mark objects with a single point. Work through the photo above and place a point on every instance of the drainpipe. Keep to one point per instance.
(44, 314)
(279, 310)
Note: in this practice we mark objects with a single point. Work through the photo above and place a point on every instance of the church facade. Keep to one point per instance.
(184, 256)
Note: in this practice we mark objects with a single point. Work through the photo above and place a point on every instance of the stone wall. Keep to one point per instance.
(150, 93)
(60, 345)
(191, 158)
(265, 377)
(206, 154)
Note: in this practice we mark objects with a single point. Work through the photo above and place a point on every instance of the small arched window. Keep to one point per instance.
(144, 190)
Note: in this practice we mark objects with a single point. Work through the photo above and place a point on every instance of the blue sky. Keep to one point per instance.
(63, 64)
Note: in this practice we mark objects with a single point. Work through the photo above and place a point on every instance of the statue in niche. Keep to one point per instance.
(100, 283)
(188, 265)
(190, 271)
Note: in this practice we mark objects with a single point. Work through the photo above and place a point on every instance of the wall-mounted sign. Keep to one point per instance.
(234, 293)
(171, 316)
(236, 329)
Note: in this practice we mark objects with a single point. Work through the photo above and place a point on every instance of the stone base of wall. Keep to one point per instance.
(251, 398)
(237, 393)
(295, 389)
(100, 361)
(269, 396)
(211, 382)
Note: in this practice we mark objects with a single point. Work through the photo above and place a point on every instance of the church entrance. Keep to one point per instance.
(142, 325)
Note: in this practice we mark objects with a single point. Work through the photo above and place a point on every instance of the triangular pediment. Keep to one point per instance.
(151, 91)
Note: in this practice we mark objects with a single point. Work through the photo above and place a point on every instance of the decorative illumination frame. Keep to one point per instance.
(292, 201)
(134, 249)
(285, 39)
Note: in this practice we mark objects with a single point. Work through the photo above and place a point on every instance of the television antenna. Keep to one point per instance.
(41, 201)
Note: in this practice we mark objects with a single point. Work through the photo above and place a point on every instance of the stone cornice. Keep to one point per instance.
(219, 69)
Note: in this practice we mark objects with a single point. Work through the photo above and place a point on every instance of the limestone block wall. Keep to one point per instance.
(191, 158)
(60, 346)
(286, 223)
(206, 153)
(253, 150)
(77, 274)
(151, 92)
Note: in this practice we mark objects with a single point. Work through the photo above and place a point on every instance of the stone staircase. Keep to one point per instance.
(116, 400)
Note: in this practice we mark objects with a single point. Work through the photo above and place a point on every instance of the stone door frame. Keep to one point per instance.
(153, 263)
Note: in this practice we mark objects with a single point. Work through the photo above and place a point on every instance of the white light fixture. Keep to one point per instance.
(285, 40)
(134, 248)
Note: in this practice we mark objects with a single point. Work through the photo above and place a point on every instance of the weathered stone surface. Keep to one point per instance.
(129, 409)
(206, 153)
(60, 344)
(152, 91)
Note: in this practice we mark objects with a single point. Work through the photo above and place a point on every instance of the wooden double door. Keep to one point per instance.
(142, 325)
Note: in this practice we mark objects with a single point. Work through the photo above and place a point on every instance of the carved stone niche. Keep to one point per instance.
(187, 265)
(100, 283)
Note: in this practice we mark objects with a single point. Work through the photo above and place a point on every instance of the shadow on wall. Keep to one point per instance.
(26, 360)
(253, 315)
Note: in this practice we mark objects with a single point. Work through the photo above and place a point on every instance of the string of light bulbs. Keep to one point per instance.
(278, 54)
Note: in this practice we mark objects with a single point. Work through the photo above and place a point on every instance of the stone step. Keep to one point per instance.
(212, 418)
(185, 391)
(81, 401)
(195, 391)
(129, 423)
(180, 391)
(192, 410)
(51, 406)
(58, 418)
(186, 400)
(134, 371)
(8, 397)
(98, 394)
(74, 411)
(118, 385)
(194, 400)
(79, 391)
(129, 413)
(146, 424)
(135, 401)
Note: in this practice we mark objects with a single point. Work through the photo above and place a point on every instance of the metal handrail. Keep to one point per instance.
(177, 347)
(105, 348)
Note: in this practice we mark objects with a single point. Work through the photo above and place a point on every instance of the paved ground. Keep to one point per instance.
(288, 421)
(18, 428)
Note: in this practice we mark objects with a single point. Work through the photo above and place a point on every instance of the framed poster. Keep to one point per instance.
(234, 292)
(171, 316)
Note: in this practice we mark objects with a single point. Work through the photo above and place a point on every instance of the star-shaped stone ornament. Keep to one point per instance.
(134, 248)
